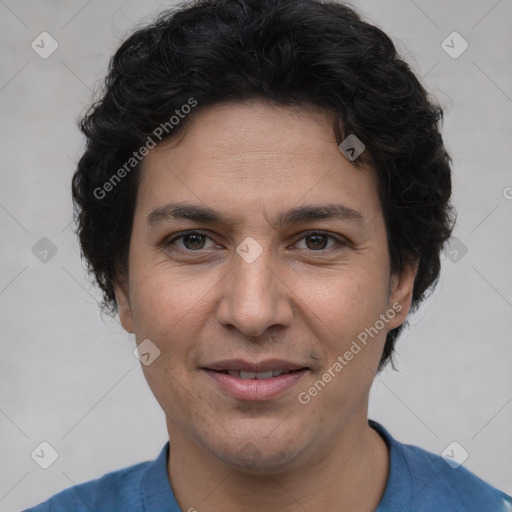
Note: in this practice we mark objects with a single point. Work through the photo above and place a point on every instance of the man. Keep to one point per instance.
(263, 199)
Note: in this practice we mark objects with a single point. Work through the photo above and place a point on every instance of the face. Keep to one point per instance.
(257, 248)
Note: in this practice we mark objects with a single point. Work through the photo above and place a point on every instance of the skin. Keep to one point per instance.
(303, 298)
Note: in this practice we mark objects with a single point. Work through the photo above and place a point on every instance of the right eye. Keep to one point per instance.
(191, 241)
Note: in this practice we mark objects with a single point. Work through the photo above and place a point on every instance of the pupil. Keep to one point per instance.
(319, 242)
(194, 241)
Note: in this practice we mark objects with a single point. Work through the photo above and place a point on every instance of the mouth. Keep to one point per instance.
(261, 381)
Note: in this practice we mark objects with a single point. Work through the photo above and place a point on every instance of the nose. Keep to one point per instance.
(255, 297)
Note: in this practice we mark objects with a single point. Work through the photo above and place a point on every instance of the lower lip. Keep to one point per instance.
(256, 390)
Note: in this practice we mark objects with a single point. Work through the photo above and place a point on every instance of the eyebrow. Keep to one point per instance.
(198, 213)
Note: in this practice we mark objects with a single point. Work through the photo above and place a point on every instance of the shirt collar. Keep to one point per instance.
(156, 489)
(399, 487)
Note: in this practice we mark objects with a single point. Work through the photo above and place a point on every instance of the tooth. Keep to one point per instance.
(247, 375)
(256, 375)
(265, 375)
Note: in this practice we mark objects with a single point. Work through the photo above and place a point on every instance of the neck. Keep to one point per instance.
(351, 472)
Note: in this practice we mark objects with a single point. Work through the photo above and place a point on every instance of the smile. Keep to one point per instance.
(255, 386)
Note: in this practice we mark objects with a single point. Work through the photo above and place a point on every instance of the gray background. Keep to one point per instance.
(69, 377)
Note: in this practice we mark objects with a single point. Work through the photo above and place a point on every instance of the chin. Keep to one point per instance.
(255, 454)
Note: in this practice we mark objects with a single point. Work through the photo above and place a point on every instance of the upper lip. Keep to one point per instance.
(254, 366)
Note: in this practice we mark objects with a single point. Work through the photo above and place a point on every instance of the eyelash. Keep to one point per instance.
(338, 242)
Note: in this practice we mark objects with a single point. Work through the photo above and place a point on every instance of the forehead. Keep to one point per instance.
(252, 132)
(243, 154)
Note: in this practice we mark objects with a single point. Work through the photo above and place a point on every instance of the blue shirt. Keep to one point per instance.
(418, 481)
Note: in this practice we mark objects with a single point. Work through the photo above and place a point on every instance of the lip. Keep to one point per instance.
(254, 366)
(257, 390)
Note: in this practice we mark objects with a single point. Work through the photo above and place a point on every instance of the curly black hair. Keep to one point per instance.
(289, 52)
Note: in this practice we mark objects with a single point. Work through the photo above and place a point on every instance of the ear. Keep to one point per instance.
(122, 293)
(400, 293)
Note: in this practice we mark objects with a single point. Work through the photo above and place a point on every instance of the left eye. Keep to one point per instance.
(318, 241)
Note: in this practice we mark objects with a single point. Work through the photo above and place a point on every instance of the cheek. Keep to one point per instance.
(345, 303)
(167, 310)
(343, 316)
(164, 300)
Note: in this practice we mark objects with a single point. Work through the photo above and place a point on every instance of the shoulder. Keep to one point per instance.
(118, 490)
(443, 485)
(425, 482)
